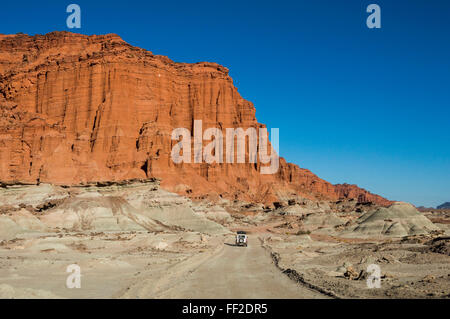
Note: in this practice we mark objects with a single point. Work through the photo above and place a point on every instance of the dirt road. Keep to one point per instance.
(237, 272)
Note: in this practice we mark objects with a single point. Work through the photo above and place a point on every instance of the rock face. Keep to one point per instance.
(444, 206)
(76, 109)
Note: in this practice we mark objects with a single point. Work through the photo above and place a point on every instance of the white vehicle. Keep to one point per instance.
(241, 238)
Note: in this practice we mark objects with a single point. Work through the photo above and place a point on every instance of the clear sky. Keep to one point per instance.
(357, 105)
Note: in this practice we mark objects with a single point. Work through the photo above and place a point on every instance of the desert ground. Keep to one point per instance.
(133, 239)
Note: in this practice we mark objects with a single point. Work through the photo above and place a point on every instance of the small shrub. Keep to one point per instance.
(303, 232)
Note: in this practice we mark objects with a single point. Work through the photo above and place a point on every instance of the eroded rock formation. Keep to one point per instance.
(76, 109)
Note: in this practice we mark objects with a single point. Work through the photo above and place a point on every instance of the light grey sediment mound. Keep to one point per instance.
(215, 213)
(33, 195)
(173, 210)
(27, 221)
(398, 220)
(8, 228)
(19, 222)
(295, 210)
(185, 218)
(145, 197)
(92, 211)
(219, 216)
(130, 207)
(322, 220)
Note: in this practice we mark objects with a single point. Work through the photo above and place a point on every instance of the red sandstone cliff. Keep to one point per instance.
(76, 108)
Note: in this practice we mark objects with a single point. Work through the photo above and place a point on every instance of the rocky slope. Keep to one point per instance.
(76, 109)
(444, 206)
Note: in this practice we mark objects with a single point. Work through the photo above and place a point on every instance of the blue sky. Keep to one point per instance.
(357, 105)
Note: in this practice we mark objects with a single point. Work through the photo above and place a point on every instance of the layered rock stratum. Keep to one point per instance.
(77, 109)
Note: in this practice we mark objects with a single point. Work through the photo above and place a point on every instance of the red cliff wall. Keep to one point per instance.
(76, 108)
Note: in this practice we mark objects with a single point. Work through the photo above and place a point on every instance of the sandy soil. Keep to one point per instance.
(129, 265)
(137, 241)
(109, 262)
(235, 272)
(408, 270)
